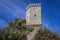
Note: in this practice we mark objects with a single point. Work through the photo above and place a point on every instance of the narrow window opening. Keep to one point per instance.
(35, 15)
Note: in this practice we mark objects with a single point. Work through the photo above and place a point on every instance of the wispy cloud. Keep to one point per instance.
(2, 23)
(9, 10)
(12, 8)
(52, 25)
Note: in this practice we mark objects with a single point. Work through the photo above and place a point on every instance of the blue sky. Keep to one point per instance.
(10, 9)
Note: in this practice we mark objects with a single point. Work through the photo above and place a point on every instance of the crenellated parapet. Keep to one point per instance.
(32, 5)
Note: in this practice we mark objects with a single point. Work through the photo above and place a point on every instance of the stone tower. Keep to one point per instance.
(33, 18)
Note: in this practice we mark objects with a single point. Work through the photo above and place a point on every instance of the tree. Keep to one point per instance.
(46, 34)
(16, 30)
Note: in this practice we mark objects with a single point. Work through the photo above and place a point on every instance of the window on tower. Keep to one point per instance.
(35, 15)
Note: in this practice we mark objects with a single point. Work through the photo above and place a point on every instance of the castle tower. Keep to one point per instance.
(33, 15)
(33, 18)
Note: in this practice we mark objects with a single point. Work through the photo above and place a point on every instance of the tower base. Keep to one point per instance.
(31, 35)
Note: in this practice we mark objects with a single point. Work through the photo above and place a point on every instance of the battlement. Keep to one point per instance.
(31, 5)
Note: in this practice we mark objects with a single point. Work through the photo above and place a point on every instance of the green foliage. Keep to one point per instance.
(46, 35)
(30, 28)
(17, 30)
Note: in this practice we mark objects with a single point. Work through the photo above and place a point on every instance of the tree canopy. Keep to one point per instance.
(46, 34)
(17, 30)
